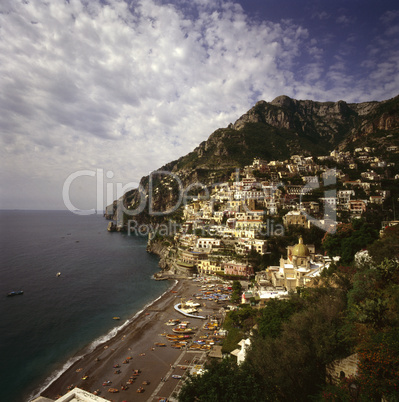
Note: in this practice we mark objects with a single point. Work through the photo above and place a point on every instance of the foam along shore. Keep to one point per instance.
(100, 341)
(133, 348)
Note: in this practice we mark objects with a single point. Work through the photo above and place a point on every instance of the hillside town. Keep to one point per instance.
(230, 222)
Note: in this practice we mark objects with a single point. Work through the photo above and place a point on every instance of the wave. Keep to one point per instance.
(54, 376)
(92, 346)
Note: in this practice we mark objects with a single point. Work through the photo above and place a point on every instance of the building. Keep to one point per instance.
(238, 269)
(296, 218)
(242, 353)
(299, 269)
(357, 207)
(192, 257)
(343, 368)
(245, 245)
(210, 267)
(208, 242)
(75, 395)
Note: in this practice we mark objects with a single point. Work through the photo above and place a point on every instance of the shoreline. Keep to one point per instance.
(134, 347)
(95, 344)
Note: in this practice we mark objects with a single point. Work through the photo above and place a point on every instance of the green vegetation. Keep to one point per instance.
(238, 323)
(348, 239)
(387, 246)
(237, 291)
(221, 382)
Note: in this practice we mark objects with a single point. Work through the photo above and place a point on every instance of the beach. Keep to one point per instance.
(134, 348)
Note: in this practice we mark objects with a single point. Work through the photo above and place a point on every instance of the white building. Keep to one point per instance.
(75, 395)
(208, 242)
(242, 353)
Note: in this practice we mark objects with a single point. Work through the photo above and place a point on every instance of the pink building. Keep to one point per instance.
(238, 269)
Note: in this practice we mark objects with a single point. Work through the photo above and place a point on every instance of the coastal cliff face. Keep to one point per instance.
(159, 248)
(272, 131)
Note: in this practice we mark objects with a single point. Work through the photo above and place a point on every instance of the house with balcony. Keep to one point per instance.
(357, 207)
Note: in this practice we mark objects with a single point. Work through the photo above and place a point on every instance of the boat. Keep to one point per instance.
(192, 304)
(116, 318)
(177, 346)
(188, 312)
(180, 330)
(173, 322)
(15, 293)
(176, 336)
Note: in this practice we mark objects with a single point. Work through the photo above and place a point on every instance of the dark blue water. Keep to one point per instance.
(102, 275)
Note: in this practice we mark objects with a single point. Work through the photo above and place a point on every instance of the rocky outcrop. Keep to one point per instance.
(159, 248)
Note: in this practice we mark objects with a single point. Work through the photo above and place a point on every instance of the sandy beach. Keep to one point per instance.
(133, 348)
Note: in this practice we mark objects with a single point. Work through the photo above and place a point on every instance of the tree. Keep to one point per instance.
(222, 381)
(379, 366)
(293, 363)
(237, 292)
(374, 298)
(348, 239)
(387, 246)
(275, 314)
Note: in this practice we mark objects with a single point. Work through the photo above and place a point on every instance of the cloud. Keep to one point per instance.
(345, 20)
(130, 86)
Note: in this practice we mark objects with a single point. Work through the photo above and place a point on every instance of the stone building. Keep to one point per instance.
(343, 368)
(296, 218)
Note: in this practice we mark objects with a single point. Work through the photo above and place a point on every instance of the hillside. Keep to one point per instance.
(275, 131)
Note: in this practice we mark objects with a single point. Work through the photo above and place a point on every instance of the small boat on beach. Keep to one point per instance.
(176, 337)
(176, 346)
(173, 322)
(15, 293)
(181, 330)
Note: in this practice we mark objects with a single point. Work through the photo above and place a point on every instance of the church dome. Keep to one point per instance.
(300, 249)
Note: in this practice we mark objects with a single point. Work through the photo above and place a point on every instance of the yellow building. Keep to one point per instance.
(210, 267)
(299, 268)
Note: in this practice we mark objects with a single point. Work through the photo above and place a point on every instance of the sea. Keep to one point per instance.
(76, 276)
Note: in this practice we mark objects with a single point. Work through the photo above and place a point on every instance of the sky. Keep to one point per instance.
(95, 94)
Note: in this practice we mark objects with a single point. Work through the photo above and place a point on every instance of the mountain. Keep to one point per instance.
(275, 131)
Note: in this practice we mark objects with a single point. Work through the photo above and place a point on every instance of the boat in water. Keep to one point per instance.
(116, 318)
(15, 293)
